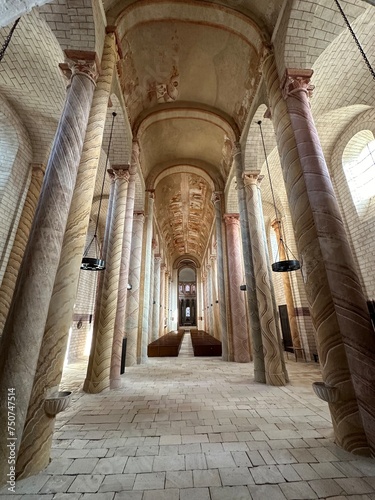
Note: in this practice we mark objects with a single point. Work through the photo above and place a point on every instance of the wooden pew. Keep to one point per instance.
(205, 344)
(167, 345)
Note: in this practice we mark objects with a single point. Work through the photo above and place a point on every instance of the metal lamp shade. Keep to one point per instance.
(92, 264)
(285, 266)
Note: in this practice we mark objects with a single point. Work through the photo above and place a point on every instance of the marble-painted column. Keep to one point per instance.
(325, 257)
(28, 312)
(241, 338)
(216, 199)
(210, 299)
(272, 358)
(132, 303)
(205, 310)
(119, 332)
(296, 339)
(146, 325)
(247, 253)
(20, 241)
(215, 302)
(98, 370)
(156, 298)
(152, 301)
(37, 437)
(161, 328)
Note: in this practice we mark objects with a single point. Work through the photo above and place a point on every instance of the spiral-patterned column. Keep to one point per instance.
(20, 241)
(216, 200)
(119, 333)
(147, 277)
(337, 306)
(156, 298)
(36, 442)
(215, 301)
(247, 253)
(163, 297)
(272, 360)
(132, 303)
(28, 312)
(241, 339)
(98, 371)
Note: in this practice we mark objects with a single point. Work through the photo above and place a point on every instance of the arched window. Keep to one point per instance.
(359, 166)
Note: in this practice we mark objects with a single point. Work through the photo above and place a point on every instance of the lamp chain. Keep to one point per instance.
(368, 64)
(7, 39)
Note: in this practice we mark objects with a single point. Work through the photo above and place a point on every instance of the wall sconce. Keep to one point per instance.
(129, 286)
(243, 288)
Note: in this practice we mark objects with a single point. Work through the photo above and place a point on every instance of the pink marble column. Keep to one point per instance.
(132, 303)
(241, 339)
(20, 241)
(272, 358)
(29, 309)
(99, 367)
(352, 333)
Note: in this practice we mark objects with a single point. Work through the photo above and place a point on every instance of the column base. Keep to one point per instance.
(95, 387)
(115, 383)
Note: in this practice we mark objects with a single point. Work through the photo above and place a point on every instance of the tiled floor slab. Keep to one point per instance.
(197, 429)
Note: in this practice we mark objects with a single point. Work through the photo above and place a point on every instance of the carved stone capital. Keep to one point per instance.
(236, 149)
(139, 216)
(297, 80)
(163, 267)
(151, 193)
(232, 219)
(38, 170)
(216, 197)
(213, 257)
(250, 178)
(81, 62)
(121, 172)
(111, 175)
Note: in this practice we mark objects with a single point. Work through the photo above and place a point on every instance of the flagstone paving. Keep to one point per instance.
(197, 429)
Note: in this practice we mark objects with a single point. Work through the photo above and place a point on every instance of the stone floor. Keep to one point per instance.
(197, 429)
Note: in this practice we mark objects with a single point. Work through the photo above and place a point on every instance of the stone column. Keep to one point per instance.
(163, 268)
(216, 199)
(247, 253)
(10, 276)
(119, 333)
(147, 276)
(215, 301)
(28, 312)
(98, 370)
(296, 340)
(37, 437)
(337, 306)
(152, 302)
(156, 298)
(241, 339)
(132, 303)
(272, 359)
(210, 300)
(205, 302)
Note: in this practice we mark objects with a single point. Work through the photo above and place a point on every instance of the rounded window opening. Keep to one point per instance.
(358, 161)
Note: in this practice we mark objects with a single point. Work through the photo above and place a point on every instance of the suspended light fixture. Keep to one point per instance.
(8, 39)
(282, 266)
(97, 263)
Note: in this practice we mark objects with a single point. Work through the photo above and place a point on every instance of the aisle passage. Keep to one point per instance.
(198, 429)
(186, 349)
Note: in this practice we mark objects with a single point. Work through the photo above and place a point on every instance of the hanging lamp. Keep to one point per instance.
(281, 266)
(97, 263)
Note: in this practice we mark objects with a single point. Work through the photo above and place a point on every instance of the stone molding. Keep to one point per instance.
(297, 80)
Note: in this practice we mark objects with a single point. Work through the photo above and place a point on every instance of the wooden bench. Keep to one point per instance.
(205, 344)
(167, 345)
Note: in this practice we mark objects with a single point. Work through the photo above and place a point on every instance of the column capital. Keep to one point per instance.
(38, 169)
(121, 172)
(213, 256)
(139, 215)
(297, 80)
(82, 62)
(163, 267)
(157, 257)
(151, 193)
(237, 150)
(250, 178)
(232, 219)
(216, 197)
